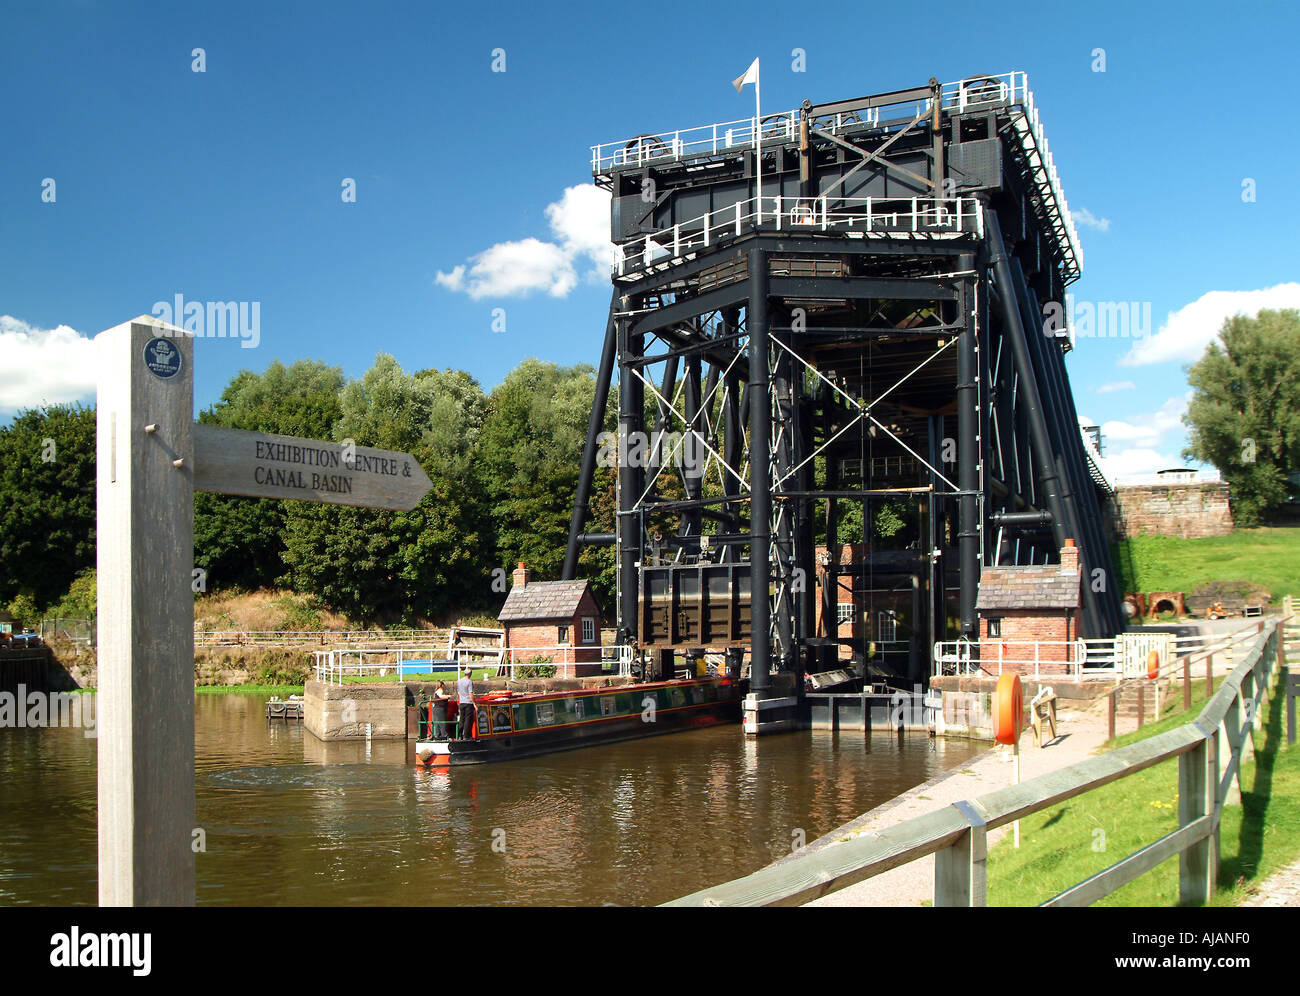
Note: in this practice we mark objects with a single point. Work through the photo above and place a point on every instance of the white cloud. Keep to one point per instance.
(1187, 331)
(1086, 219)
(43, 366)
(1141, 444)
(1116, 385)
(510, 268)
(1137, 460)
(1147, 429)
(579, 223)
(580, 220)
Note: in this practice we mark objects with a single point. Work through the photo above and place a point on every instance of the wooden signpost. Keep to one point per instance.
(151, 457)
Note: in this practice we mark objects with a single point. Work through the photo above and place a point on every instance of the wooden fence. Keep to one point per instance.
(957, 835)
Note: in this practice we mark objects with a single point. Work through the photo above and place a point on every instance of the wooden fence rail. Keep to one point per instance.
(957, 835)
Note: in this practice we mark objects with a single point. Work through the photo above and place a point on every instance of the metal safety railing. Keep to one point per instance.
(867, 217)
(333, 667)
(968, 657)
(957, 835)
(783, 126)
(1009, 89)
(242, 637)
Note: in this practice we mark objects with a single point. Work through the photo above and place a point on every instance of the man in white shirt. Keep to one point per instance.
(465, 708)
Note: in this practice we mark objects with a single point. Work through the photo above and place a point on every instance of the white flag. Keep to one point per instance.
(751, 76)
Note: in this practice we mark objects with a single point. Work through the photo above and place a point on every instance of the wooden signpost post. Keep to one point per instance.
(150, 458)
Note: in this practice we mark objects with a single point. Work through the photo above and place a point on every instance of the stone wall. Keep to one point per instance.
(1187, 511)
(342, 712)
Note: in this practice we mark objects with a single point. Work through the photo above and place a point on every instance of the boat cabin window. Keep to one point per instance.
(588, 629)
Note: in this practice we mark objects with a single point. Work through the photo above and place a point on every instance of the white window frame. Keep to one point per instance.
(588, 629)
(844, 613)
(886, 627)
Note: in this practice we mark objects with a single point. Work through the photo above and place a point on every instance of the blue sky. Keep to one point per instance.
(226, 184)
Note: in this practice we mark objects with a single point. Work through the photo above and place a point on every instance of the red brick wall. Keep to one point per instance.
(574, 660)
(1021, 628)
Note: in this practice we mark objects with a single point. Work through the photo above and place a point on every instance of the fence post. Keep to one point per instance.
(1195, 868)
(1142, 703)
(1110, 711)
(960, 869)
(1232, 727)
(1187, 684)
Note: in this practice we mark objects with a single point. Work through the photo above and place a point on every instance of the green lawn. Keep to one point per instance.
(1062, 846)
(1265, 556)
(248, 689)
(449, 676)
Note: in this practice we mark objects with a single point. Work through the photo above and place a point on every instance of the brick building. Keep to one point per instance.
(556, 620)
(1030, 614)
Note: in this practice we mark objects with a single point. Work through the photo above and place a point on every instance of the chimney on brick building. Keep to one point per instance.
(1069, 558)
(520, 575)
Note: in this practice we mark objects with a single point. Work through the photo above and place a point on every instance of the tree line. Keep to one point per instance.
(503, 465)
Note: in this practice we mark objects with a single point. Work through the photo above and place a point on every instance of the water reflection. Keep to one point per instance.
(291, 820)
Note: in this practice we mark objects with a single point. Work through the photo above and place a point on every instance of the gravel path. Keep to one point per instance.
(1282, 889)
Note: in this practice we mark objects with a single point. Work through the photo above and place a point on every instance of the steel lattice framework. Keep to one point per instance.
(866, 328)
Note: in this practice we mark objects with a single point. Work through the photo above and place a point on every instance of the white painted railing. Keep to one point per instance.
(333, 666)
(783, 126)
(1010, 89)
(1027, 657)
(242, 637)
(865, 217)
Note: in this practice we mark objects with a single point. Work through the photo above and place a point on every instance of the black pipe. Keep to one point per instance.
(968, 456)
(666, 388)
(588, 471)
(1040, 441)
(1021, 519)
(1065, 429)
(597, 539)
(631, 480)
(760, 479)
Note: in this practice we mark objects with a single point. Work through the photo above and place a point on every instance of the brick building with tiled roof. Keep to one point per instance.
(555, 620)
(1038, 604)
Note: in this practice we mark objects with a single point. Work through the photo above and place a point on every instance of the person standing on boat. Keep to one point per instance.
(465, 706)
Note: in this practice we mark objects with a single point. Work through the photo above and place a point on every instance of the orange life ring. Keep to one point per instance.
(1153, 664)
(1008, 706)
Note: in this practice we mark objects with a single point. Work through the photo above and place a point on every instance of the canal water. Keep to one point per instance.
(292, 821)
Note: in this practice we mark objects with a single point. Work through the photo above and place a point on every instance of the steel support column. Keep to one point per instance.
(760, 478)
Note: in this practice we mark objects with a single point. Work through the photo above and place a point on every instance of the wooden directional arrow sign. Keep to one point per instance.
(264, 465)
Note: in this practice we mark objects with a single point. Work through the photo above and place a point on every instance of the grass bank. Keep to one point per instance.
(1269, 557)
(1062, 846)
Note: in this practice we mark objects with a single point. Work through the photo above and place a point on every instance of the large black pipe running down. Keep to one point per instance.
(968, 455)
(1077, 487)
(585, 476)
(1013, 329)
(760, 478)
(631, 481)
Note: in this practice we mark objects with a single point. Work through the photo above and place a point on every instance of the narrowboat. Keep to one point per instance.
(510, 725)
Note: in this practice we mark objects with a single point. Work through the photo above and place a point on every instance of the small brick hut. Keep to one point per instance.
(1020, 607)
(557, 620)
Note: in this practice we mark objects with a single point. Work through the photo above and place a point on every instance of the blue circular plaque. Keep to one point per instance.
(163, 358)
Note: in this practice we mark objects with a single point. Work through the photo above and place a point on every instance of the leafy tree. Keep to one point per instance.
(47, 493)
(240, 541)
(375, 564)
(530, 454)
(1244, 415)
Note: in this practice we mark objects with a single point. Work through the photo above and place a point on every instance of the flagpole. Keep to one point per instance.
(758, 138)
